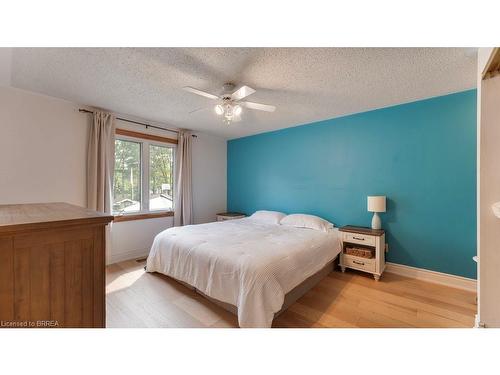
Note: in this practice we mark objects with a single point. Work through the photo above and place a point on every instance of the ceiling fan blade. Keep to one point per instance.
(200, 92)
(259, 106)
(242, 92)
(197, 110)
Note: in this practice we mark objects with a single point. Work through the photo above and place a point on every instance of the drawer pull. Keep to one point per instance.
(358, 263)
(358, 238)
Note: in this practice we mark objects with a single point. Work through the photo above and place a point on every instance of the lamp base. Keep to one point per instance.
(376, 222)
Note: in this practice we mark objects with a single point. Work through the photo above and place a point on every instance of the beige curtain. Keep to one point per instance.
(100, 162)
(183, 200)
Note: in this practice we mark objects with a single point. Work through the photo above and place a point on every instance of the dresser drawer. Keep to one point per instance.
(358, 263)
(361, 239)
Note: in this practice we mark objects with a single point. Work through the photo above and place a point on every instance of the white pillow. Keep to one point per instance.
(268, 217)
(306, 221)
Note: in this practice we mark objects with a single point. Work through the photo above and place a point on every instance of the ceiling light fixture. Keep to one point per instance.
(230, 106)
(219, 109)
(237, 110)
(229, 111)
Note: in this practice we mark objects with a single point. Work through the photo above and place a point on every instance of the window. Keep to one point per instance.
(143, 178)
(127, 180)
(161, 165)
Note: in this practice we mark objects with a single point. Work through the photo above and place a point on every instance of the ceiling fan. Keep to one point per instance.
(229, 104)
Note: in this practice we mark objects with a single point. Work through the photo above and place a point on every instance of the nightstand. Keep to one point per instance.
(363, 249)
(223, 216)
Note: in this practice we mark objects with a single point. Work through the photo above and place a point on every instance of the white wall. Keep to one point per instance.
(133, 239)
(42, 149)
(209, 177)
(43, 142)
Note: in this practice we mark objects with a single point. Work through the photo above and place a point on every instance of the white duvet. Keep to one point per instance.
(243, 262)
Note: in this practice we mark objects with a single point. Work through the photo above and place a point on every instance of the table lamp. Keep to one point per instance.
(376, 204)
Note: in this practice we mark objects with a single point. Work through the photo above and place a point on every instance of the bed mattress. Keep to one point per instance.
(243, 262)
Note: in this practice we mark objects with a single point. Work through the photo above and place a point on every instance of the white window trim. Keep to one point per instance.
(145, 143)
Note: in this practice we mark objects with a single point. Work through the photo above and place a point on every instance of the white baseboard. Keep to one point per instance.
(432, 276)
(127, 255)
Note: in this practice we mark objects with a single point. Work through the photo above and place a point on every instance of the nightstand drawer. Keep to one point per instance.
(361, 239)
(359, 263)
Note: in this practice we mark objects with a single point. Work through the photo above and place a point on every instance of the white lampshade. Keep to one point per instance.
(376, 203)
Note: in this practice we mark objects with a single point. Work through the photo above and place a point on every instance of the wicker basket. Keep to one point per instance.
(360, 252)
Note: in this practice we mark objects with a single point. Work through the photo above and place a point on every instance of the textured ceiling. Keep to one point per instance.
(305, 84)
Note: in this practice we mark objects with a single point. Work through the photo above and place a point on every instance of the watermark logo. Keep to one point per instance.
(29, 323)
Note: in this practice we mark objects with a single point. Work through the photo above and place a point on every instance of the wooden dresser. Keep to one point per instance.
(52, 266)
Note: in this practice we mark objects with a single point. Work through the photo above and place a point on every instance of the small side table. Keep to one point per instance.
(223, 216)
(363, 238)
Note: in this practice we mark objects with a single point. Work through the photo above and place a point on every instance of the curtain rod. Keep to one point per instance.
(137, 122)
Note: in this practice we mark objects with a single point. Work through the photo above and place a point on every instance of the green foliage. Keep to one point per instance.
(160, 170)
(127, 177)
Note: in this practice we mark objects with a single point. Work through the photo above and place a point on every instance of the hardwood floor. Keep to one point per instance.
(135, 298)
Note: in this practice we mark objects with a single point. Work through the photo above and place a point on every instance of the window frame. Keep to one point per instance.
(145, 140)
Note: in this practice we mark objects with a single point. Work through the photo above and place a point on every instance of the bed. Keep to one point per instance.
(251, 268)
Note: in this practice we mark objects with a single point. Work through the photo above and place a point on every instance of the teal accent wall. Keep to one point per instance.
(421, 155)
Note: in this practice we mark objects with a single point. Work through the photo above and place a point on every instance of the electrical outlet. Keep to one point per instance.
(386, 247)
